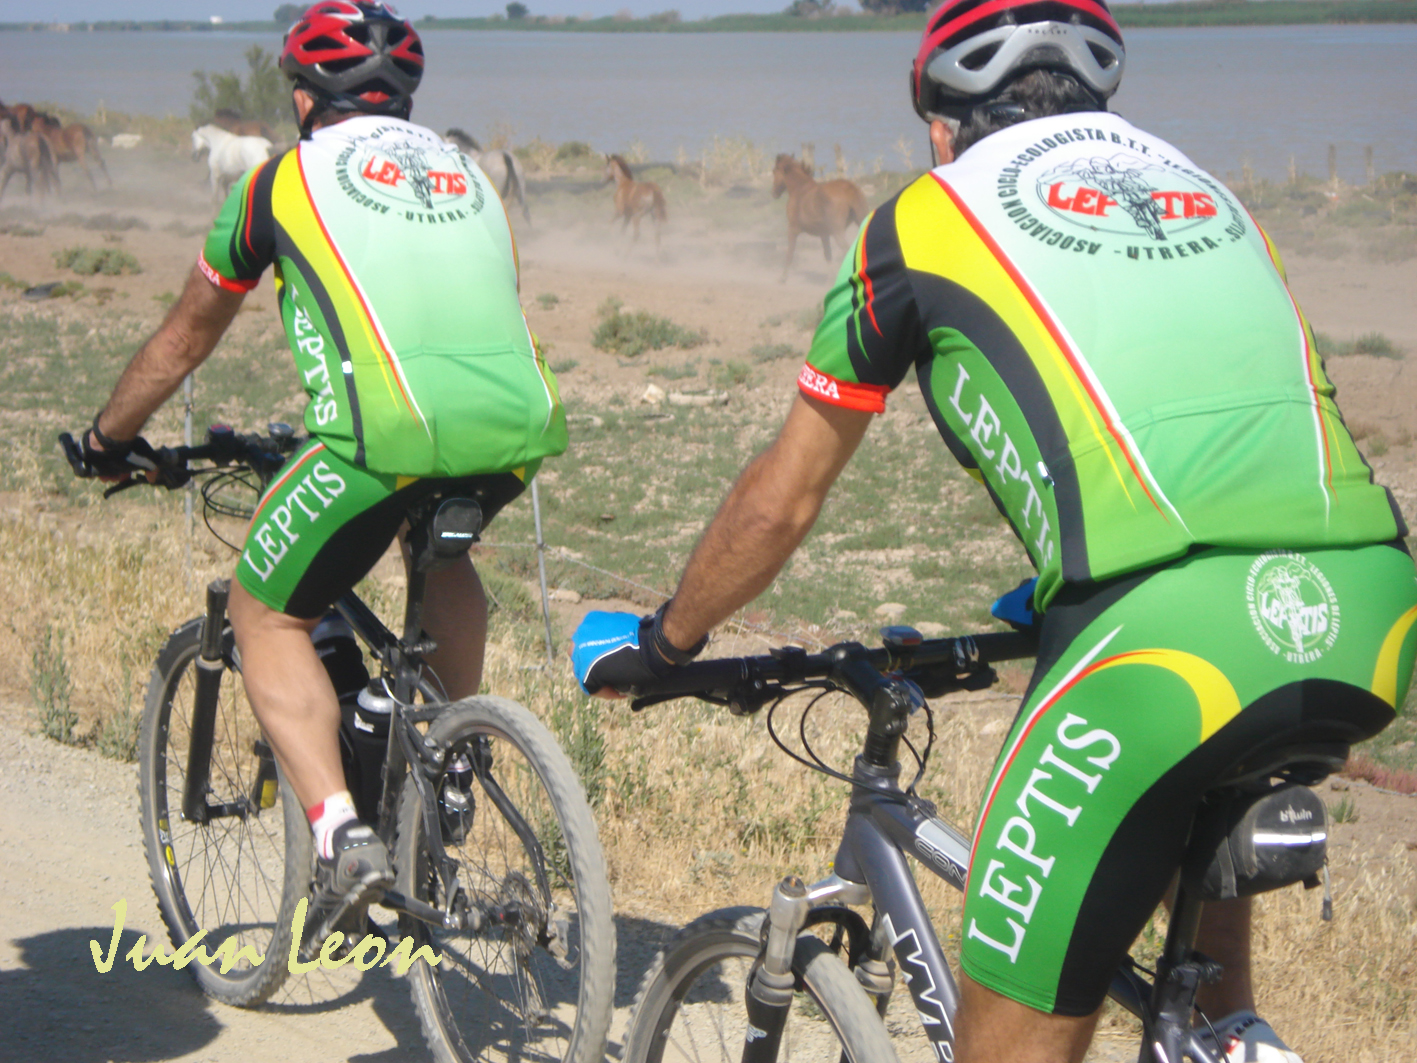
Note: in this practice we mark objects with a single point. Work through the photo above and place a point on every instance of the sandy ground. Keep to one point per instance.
(69, 833)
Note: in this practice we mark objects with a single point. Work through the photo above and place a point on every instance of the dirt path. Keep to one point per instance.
(69, 835)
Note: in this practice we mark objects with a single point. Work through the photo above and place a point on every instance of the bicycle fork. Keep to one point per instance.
(209, 666)
(771, 990)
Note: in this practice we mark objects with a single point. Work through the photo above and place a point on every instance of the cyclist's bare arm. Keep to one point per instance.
(767, 514)
(182, 342)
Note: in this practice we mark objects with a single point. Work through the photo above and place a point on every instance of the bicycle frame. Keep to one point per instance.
(884, 824)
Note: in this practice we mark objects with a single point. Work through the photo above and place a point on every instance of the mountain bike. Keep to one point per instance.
(498, 866)
(753, 984)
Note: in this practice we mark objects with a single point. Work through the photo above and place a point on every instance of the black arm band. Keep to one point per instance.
(666, 649)
(119, 446)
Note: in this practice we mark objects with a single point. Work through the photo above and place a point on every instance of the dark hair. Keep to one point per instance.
(1036, 94)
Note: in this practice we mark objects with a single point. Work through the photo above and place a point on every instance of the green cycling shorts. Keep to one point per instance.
(323, 523)
(1147, 690)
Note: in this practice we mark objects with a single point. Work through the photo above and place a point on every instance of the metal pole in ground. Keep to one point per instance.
(187, 388)
(541, 570)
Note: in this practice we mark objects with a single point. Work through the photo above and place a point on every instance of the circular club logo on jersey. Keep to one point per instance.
(1292, 605)
(422, 181)
(1127, 195)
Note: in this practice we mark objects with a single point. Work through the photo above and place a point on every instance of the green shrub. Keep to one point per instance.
(574, 151)
(674, 372)
(546, 300)
(771, 352)
(1371, 343)
(265, 95)
(117, 736)
(87, 261)
(52, 687)
(730, 374)
(1376, 344)
(564, 366)
(634, 333)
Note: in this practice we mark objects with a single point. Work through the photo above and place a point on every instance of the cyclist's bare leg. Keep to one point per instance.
(1225, 937)
(455, 615)
(291, 694)
(991, 1028)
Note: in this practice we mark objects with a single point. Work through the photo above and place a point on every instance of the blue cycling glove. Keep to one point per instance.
(1016, 607)
(613, 650)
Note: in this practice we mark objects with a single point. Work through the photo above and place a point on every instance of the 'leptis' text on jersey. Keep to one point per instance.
(397, 280)
(1105, 339)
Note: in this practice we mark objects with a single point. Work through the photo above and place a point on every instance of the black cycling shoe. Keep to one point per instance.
(346, 885)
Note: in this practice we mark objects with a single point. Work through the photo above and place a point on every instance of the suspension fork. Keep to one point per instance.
(771, 990)
(209, 665)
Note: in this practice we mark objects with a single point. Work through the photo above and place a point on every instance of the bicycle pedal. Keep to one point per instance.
(353, 911)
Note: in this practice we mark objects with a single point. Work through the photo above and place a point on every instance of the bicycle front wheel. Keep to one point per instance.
(691, 1007)
(536, 983)
(238, 869)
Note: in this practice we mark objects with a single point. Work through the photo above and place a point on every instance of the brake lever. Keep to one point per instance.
(123, 485)
(75, 456)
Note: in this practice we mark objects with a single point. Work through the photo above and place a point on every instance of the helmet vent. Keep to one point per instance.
(323, 44)
(980, 59)
(339, 66)
(1105, 59)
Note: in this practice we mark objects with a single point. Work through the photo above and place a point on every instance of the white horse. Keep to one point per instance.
(228, 156)
(502, 168)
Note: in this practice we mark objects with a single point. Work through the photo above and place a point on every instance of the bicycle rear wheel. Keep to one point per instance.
(240, 874)
(691, 1006)
(536, 983)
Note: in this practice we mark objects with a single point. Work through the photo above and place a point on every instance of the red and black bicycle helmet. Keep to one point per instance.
(973, 47)
(355, 56)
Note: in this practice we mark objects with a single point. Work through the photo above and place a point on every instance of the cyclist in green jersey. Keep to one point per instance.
(1106, 341)
(396, 277)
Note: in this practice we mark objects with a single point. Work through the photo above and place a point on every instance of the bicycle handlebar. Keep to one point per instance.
(172, 464)
(746, 684)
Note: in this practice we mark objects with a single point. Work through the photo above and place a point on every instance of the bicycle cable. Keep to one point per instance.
(816, 763)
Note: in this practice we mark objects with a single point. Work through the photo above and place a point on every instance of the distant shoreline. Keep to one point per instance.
(1186, 13)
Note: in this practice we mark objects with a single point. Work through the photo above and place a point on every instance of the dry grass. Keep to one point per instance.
(696, 808)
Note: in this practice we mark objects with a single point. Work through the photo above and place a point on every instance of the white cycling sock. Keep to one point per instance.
(333, 811)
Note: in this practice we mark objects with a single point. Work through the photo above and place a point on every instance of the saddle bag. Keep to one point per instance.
(445, 534)
(1254, 842)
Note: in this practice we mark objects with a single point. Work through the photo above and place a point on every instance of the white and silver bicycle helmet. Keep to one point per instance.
(972, 47)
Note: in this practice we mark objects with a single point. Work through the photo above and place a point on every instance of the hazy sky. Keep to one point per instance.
(81, 10)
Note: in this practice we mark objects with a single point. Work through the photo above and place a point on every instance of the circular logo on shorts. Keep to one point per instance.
(1292, 605)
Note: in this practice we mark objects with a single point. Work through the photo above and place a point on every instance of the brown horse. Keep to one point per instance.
(23, 115)
(634, 199)
(74, 142)
(823, 210)
(232, 122)
(27, 153)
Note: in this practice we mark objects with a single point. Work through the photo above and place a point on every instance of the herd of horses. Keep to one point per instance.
(822, 209)
(33, 144)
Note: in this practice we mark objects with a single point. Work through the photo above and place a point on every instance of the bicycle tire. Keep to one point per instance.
(240, 875)
(690, 1004)
(497, 994)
